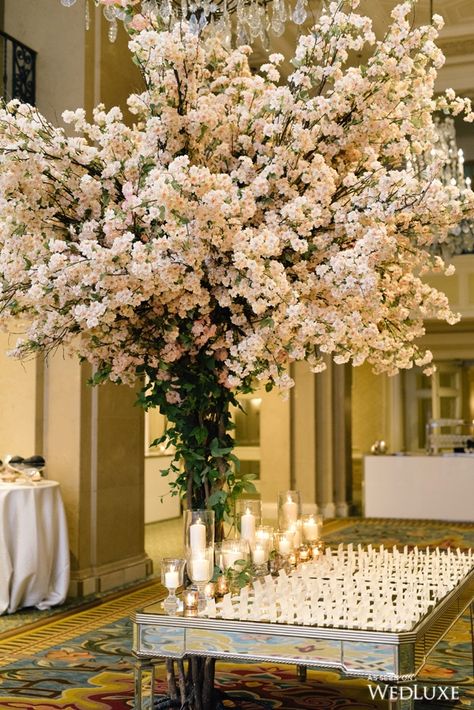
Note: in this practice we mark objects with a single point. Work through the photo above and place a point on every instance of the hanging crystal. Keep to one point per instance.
(239, 10)
(265, 39)
(277, 26)
(193, 24)
(254, 18)
(224, 27)
(113, 30)
(242, 34)
(281, 10)
(109, 13)
(300, 13)
(149, 7)
(165, 10)
(87, 16)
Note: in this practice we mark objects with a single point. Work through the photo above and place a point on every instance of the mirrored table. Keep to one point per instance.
(380, 656)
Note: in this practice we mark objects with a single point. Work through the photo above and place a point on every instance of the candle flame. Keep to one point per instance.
(248, 512)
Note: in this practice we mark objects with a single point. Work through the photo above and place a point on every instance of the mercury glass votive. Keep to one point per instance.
(222, 586)
(172, 570)
(276, 562)
(293, 558)
(304, 553)
(210, 590)
(317, 550)
(191, 601)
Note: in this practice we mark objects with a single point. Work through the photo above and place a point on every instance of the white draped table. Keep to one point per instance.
(34, 548)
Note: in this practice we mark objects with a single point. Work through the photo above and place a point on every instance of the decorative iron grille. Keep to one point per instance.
(18, 70)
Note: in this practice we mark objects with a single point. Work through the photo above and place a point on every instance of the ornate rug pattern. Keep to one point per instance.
(83, 662)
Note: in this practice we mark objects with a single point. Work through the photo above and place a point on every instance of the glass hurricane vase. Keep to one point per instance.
(200, 568)
(172, 570)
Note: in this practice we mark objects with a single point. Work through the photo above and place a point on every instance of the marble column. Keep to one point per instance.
(321, 438)
(342, 439)
(324, 442)
(94, 446)
(303, 433)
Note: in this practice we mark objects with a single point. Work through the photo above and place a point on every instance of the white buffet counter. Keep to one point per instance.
(419, 487)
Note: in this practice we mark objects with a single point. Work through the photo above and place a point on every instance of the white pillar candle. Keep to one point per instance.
(262, 536)
(290, 511)
(259, 555)
(295, 529)
(197, 536)
(172, 579)
(200, 570)
(247, 526)
(311, 529)
(231, 557)
(285, 546)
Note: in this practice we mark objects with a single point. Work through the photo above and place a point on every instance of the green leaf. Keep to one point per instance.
(217, 498)
(249, 487)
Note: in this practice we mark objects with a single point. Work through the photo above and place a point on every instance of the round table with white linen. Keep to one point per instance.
(34, 548)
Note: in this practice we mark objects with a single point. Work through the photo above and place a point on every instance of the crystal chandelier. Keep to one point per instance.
(450, 158)
(447, 153)
(246, 20)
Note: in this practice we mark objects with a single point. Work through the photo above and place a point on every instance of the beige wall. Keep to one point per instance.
(17, 403)
(369, 407)
(62, 447)
(57, 34)
(119, 76)
(274, 447)
(159, 503)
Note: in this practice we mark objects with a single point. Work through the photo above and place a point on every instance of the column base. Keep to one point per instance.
(327, 510)
(342, 510)
(108, 577)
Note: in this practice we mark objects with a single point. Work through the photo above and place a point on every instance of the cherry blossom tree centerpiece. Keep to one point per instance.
(239, 224)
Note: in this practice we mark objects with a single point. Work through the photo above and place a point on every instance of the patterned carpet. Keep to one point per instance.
(83, 661)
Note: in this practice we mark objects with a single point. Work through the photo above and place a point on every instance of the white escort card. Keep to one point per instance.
(371, 589)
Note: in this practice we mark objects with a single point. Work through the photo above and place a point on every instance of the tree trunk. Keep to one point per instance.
(194, 689)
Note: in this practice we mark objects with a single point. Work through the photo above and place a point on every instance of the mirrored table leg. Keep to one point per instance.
(144, 672)
(471, 614)
(301, 673)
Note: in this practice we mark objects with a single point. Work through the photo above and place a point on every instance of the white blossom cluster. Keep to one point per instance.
(264, 222)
